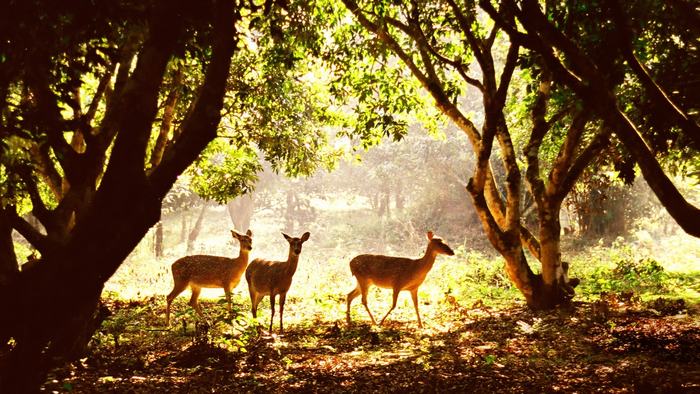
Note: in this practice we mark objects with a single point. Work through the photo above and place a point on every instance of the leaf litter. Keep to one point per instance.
(614, 344)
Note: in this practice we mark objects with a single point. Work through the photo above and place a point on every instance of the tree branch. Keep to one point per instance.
(167, 122)
(53, 123)
(473, 41)
(507, 74)
(200, 127)
(38, 240)
(563, 161)
(661, 99)
(532, 244)
(599, 142)
(599, 96)
(39, 209)
(433, 87)
(95, 103)
(45, 167)
(420, 37)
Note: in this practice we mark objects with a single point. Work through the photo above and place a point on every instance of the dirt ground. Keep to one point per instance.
(613, 345)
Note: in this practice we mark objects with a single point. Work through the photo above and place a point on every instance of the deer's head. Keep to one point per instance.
(439, 245)
(296, 243)
(246, 239)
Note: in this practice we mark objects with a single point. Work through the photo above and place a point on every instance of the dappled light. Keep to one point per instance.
(349, 196)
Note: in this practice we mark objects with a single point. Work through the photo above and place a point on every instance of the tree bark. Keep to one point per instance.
(166, 124)
(8, 259)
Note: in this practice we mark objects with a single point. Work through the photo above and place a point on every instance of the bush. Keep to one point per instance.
(629, 275)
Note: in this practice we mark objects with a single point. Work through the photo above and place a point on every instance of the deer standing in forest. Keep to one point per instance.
(396, 273)
(200, 271)
(274, 277)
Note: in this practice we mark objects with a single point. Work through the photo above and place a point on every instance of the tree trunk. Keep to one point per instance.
(192, 237)
(399, 197)
(50, 305)
(54, 305)
(184, 225)
(240, 210)
(158, 241)
(510, 247)
(555, 288)
(8, 259)
(387, 203)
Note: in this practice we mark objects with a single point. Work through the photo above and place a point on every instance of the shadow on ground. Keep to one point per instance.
(615, 344)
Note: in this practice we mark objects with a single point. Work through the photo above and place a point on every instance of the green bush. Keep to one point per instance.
(629, 275)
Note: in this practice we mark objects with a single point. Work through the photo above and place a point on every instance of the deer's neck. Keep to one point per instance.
(292, 262)
(426, 262)
(243, 255)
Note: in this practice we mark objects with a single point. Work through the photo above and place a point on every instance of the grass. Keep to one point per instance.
(619, 337)
(497, 349)
(650, 266)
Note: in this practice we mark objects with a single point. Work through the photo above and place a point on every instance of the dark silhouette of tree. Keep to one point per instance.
(97, 123)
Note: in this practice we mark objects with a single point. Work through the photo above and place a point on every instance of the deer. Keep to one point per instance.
(206, 271)
(271, 278)
(396, 273)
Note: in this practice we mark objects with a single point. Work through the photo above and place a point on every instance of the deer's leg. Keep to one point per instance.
(283, 298)
(272, 309)
(227, 291)
(395, 297)
(253, 301)
(363, 289)
(194, 303)
(414, 297)
(351, 296)
(179, 288)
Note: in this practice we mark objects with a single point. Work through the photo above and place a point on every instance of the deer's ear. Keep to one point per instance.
(249, 233)
(287, 237)
(305, 237)
(429, 234)
(235, 234)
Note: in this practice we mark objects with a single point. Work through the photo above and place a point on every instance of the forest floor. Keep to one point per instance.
(614, 344)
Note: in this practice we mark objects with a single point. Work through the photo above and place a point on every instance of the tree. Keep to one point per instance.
(94, 174)
(437, 41)
(564, 37)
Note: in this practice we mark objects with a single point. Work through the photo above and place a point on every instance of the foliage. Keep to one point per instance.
(381, 93)
(636, 276)
(223, 172)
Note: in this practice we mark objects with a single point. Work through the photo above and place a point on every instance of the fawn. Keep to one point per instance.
(397, 273)
(209, 271)
(273, 277)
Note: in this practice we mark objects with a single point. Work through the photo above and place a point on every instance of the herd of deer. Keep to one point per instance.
(274, 278)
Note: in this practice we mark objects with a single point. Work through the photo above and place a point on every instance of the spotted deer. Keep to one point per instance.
(209, 272)
(396, 273)
(274, 277)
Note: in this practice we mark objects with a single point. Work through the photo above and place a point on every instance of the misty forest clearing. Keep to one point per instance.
(349, 196)
(631, 327)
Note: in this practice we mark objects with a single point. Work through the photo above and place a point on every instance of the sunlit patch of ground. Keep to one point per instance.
(628, 347)
(476, 337)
